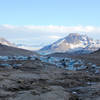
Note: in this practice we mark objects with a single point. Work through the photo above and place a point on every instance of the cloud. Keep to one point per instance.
(54, 37)
(51, 28)
(8, 26)
(63, 29)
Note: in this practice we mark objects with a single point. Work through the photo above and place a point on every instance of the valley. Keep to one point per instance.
(46, 78)
(27, 75)
(50, 50)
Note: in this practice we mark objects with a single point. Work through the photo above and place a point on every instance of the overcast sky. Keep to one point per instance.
(41, 22)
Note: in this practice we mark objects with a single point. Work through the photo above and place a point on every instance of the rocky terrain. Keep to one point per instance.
(26, 75)
(47, 78)
(93, 57)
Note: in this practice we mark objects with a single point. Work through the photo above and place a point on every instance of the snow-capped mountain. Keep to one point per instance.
(74, 42)
(6, 42)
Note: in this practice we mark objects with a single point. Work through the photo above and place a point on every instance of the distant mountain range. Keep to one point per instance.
(9, 49)
(73, 43)
(28, 46)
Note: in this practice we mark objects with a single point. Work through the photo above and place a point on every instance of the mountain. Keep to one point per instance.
(73, 43)
(6, 42)
(28, 47)
(97, 52)
(14, 51)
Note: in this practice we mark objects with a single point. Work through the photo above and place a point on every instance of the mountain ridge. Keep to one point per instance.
(6, 42)
(72, 43)
(14, 51)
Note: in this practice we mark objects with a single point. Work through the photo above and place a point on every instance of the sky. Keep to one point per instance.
(41, 22)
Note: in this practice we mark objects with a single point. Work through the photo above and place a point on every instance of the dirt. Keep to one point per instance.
(35, 80)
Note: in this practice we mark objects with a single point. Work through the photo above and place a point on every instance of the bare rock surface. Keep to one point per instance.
(36, 80)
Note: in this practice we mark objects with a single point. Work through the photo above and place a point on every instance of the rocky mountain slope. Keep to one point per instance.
(72, 43)
(9, 49)
(93, 57)
(13, 51)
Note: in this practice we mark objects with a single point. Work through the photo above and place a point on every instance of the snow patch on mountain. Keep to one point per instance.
(6, 42)
(72, 43)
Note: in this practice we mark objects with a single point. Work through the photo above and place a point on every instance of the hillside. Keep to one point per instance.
(13, 51)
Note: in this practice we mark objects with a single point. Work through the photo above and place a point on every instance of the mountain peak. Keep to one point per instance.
(77, 35)
(71, 43)
(75, 38)
(5, 42)
(74, 34)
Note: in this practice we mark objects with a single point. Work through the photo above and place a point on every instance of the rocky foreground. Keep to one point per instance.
(37, 80)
